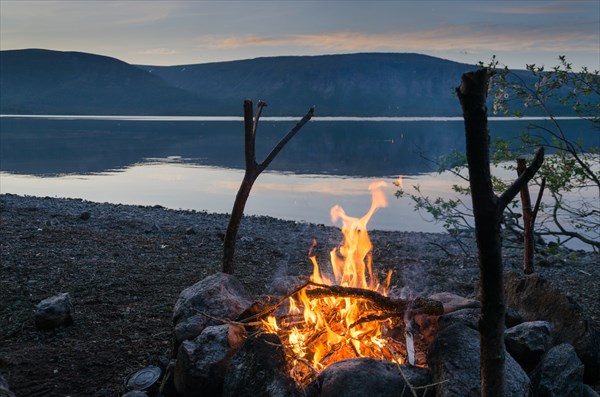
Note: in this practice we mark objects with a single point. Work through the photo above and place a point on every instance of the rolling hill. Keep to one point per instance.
(36, 81)
(52, 82)
(373, 84)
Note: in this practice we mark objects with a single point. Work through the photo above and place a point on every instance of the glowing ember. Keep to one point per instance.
(320, 329)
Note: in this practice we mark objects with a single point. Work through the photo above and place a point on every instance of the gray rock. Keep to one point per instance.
(85, 215)
(135, 393)
(190, 327)
(54, 312)
(527, 342)
(589, 392)
(259, 368)
(220, 296)
(512, 318)
(4, 390)
(201, 363)
(454, 357)
(454, 302)
(369, 377)
(559, 374)
(536, 299)
(468, 317)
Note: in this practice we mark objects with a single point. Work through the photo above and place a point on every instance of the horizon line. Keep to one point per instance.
(281, 118)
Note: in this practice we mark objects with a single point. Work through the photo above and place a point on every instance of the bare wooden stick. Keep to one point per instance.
(376, 317)
(528, 238)
(510, 193)
(274, 307)
(406, 381)
(538, 202)
(488, 210)
(380, 302)
(253, 170)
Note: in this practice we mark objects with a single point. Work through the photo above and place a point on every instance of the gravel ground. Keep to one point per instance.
(125, 266)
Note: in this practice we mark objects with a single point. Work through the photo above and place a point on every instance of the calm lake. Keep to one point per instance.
(197, 162)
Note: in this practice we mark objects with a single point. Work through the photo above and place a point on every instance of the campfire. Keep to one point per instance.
(349, 312)
(349, 330)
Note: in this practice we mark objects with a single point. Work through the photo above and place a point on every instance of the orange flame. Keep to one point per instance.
(321, 330)
(398, 182)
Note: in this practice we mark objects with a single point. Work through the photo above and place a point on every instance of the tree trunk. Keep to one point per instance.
(528, 238)
(488, 209)
(253, 170)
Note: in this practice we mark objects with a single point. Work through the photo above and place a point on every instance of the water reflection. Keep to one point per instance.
(353, 148)
(287, 196)
(199, 164)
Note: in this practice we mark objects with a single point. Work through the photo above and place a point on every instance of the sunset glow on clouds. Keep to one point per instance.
(183, 32)
(438, 39)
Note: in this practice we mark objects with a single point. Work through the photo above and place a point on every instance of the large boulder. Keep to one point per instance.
(527, 342)
(559, 374)
(453, 302)
(535, 298)
(468, 317)
(201, 363)
(54, 311)
(217, 297)
(369, 377)
(453, 358)
(4, 391)
(259, 368)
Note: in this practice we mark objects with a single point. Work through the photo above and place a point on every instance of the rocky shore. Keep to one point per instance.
(124, 267)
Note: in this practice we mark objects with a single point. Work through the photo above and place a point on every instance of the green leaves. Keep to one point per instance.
(569, 170)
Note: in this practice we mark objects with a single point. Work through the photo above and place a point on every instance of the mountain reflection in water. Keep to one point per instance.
(199, 164)
(50, 147)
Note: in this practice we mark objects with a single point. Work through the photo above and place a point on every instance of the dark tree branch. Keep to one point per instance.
(522, 180)
(528, 222)
(488, 210)
(253, 170)
(249, 136)
(538, 201)
(286, 139)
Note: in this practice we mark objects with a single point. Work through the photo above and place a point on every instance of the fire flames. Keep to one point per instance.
(322, 328)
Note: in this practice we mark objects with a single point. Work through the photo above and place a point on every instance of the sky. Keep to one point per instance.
(187, 32)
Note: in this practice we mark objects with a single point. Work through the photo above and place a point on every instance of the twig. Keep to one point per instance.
(379, 301)
(276, 305)
(521, 181)
(431, 384)
(538, 201)
(442, 248)
(225, 321)
(376, 317)
(410, 387)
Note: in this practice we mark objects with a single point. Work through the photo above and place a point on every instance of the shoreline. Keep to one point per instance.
(125, 266)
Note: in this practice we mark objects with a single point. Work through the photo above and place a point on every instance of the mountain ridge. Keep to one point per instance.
(38, 81)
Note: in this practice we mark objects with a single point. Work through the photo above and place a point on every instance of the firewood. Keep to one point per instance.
(391, 307)
(380, 302)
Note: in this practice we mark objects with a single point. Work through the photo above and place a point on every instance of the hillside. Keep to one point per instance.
(374, 84)
(51, 82)
(38, 81)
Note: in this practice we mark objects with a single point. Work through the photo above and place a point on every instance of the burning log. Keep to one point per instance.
(348, 316)
(390, 307)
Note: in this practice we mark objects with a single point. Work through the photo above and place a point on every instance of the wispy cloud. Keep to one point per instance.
(449, 37)
(556, 7)
(158, 51)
